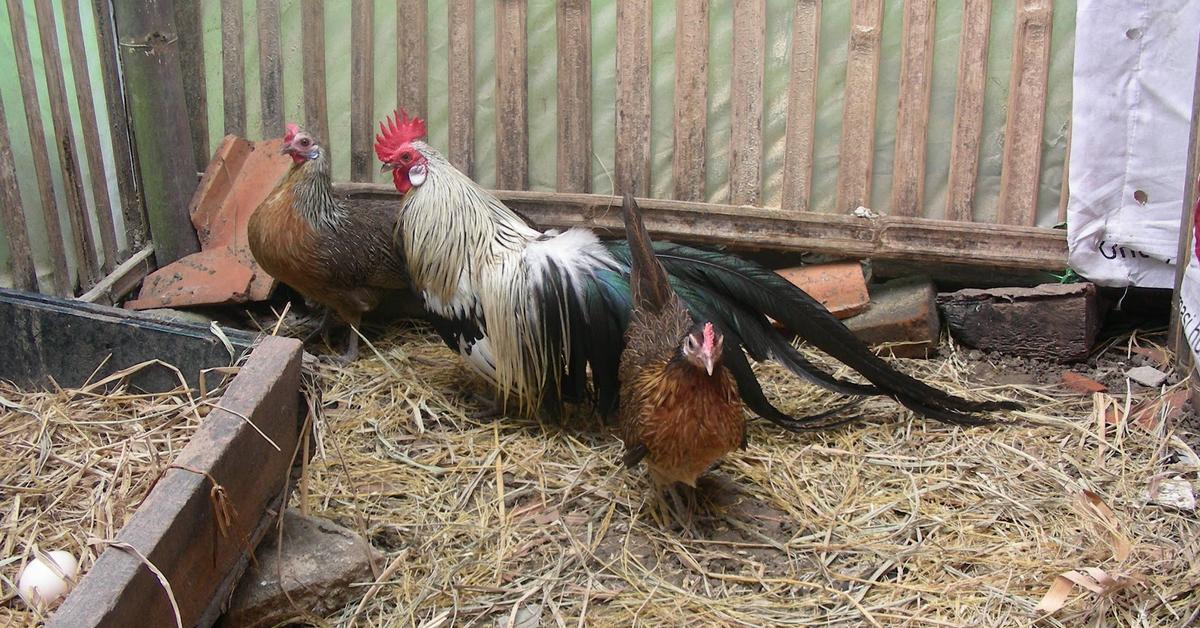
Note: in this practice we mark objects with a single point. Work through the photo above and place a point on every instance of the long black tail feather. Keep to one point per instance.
(759, 289)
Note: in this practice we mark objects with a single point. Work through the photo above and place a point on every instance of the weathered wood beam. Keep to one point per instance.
(154, 87)
(124, 159)
(123, 279)
(176, 527)
(756, 228)
(12, 216)
(512, 96)
(461, 79)
(574, 157)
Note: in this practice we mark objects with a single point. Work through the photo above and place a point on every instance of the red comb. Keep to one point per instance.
(398, 131)
(292, 130)
(709, 337)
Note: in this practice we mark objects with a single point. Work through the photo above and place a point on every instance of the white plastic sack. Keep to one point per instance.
(1135, 65)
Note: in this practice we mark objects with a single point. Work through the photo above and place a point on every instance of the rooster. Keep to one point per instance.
(534, 311)
(679, 407)
(327, 251)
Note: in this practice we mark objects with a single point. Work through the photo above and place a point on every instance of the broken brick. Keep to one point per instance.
(1081, 383)
(1057, 322)
(902, 311)
(239, 177)
(840, 287)
(309, 578)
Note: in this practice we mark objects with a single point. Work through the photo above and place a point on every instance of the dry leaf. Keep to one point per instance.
(1148, 413)
(1092, 503)
(1155, 354)
(1091, 578)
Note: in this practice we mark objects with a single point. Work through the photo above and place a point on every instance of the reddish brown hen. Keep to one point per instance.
(331, 253)
(679, 408)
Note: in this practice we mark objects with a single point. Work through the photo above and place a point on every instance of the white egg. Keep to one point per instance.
(40, 586)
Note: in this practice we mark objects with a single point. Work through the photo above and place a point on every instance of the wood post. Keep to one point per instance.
(1177, 336)
(149, 50)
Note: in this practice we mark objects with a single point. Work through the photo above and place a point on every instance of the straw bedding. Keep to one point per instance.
(890, 521)
(75, 465)
(894, 520)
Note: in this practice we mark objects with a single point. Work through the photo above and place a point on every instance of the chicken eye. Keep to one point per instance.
(405, 157)
(690, 343)
(305, 142)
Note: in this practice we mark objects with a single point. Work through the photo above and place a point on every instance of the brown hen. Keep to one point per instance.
(330, 252)
(679, 407)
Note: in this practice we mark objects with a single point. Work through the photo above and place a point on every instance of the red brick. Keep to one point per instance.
(901, 311)
(840, 287)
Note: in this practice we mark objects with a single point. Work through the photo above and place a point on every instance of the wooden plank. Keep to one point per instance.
(633, 97)
(912, 118)
(1177, 334)
(746, 102)
(462, 85)
(12, 216)
(246, 444)
(154, 85)
(573, 21)
(802, 107)
(86, 255)
(512, 128)
(691, 99)
(188, 20)
(124, 160)
(37, 149)
(233, 68)
(739, 227)
(91, 135)
(1022, 165)
(412, 66)
(123, 279)
(968, 109)
(270, 69)
(857, 149)
(312, 31)
(362, 90)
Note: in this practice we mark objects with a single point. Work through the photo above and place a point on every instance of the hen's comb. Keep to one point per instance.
(709, 337)
(397, 131)
(292, 130)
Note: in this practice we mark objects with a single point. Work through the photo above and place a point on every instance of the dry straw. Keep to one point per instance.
(893, 520)
(75, 465)
(508, 521)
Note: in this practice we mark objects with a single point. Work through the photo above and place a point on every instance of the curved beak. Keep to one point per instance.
(387, 167)
(286, 150)
(709, 363)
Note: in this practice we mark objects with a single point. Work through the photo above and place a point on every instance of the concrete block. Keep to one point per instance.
(1056, 322)
(901, 311)
(319, 561)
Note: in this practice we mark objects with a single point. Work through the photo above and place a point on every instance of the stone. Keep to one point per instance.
(840, 286)
(902, 311)
(1174, 493)
(319, 562)
(1081, 383)
(1056, 322)
(1147, 376)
